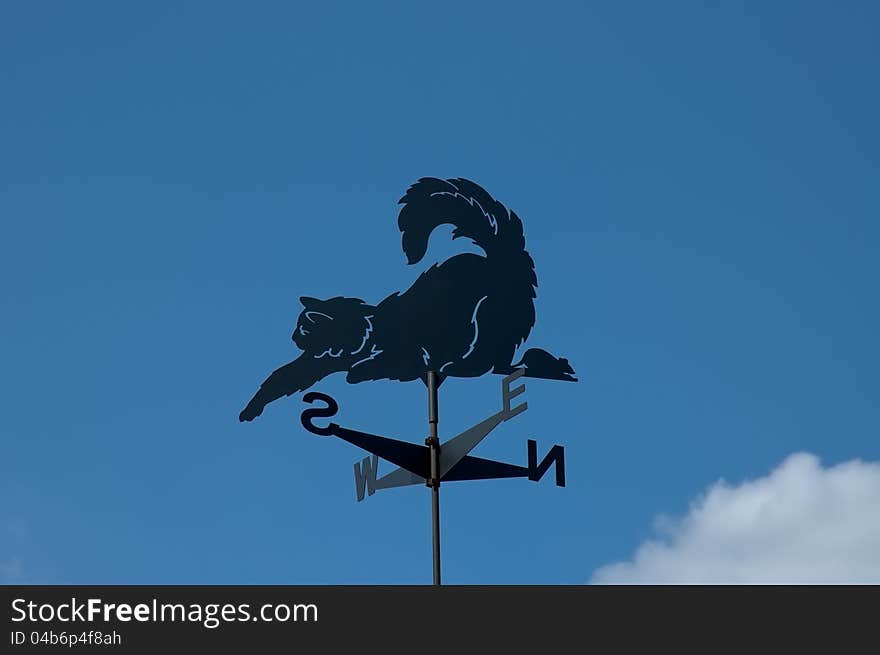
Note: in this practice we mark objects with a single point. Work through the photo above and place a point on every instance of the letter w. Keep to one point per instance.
(537, 471)
(365, 476)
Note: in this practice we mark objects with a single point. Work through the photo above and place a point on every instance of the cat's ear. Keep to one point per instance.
(308, 301)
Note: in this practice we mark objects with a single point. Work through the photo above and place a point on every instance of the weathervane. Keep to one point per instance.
(462, 318)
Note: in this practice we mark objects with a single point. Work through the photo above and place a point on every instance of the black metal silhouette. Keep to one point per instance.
(433, 463)
(464, 317)
(453, 463)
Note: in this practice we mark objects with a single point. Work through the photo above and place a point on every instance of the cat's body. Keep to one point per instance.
(463, 318)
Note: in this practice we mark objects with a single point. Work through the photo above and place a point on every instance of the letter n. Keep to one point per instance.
(365, 476)
(555, 456)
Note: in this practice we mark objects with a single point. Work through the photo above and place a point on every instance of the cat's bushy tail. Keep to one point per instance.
(431, 202)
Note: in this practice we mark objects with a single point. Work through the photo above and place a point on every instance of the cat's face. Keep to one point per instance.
(336, 326)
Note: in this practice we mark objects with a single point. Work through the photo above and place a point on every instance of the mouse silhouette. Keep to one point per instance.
(464, 317)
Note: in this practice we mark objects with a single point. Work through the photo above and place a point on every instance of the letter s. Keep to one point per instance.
(308, 414)
(22, 613)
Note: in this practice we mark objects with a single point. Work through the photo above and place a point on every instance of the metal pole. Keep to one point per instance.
(433, 442)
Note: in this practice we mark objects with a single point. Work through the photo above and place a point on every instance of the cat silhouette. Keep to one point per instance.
(464, 317)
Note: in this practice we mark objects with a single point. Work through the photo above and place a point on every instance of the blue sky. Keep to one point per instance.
(698, 186)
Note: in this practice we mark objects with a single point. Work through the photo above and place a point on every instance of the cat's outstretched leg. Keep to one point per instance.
(298, 375)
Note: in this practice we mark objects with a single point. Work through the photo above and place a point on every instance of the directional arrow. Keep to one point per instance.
(455, 464)
(409, 456)
(414, 460)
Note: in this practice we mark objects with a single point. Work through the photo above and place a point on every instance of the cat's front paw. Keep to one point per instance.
(252, 411)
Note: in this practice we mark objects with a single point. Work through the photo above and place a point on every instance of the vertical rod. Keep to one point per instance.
(434, 443)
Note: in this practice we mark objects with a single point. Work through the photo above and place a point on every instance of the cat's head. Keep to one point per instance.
(338, 325)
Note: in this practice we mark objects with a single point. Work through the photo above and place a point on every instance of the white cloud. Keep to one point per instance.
(803, 523)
